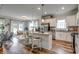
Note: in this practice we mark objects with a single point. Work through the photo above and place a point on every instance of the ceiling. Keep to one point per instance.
(31, 11)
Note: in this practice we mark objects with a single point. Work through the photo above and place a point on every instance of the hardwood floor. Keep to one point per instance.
(16, 48)
(62, 47)
(58, 47)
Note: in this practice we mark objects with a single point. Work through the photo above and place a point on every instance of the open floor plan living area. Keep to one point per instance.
(39, 28)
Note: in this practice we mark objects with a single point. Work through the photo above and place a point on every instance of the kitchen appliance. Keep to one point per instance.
(45, 27)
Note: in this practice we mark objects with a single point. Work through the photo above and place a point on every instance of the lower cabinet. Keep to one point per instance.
(65, 36)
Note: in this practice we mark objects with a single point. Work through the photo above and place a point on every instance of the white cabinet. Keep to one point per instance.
(65, 36)
(51, 21)
(77, 44)
(71, 20)
(46, 39)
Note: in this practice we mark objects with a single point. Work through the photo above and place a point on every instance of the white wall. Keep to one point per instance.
(66, 36)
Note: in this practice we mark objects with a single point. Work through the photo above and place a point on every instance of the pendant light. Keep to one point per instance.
(42, 20)
(33, 23)
(32, 15)
(32, 20)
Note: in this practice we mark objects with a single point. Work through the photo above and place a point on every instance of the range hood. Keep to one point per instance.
(47, 16)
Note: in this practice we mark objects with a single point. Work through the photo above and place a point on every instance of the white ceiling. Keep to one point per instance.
(18, 10)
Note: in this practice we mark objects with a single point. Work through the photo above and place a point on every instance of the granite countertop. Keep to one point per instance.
(66, 31)
(45, 33)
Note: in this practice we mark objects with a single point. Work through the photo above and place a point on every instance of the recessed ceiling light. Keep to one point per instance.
(39, 8)
(45, 12)
(42, 20)
(62, 8)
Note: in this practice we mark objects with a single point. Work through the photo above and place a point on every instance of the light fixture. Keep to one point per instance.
(45, 12)
(39, 8)
(42, 20)
(24, 17)
(62, 8)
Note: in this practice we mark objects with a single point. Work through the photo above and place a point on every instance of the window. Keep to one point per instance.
(20, 27)
(61, 24)
(15, 30)
(14, 27)
(33, 25)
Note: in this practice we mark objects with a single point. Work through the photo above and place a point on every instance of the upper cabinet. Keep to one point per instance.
(77, 18)
(71, 20)
(51, 21)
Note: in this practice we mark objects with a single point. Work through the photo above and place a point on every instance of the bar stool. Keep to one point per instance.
(36, 42)
(26, 38)
(29, 41)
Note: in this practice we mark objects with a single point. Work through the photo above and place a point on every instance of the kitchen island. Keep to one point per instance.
(46, 39)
